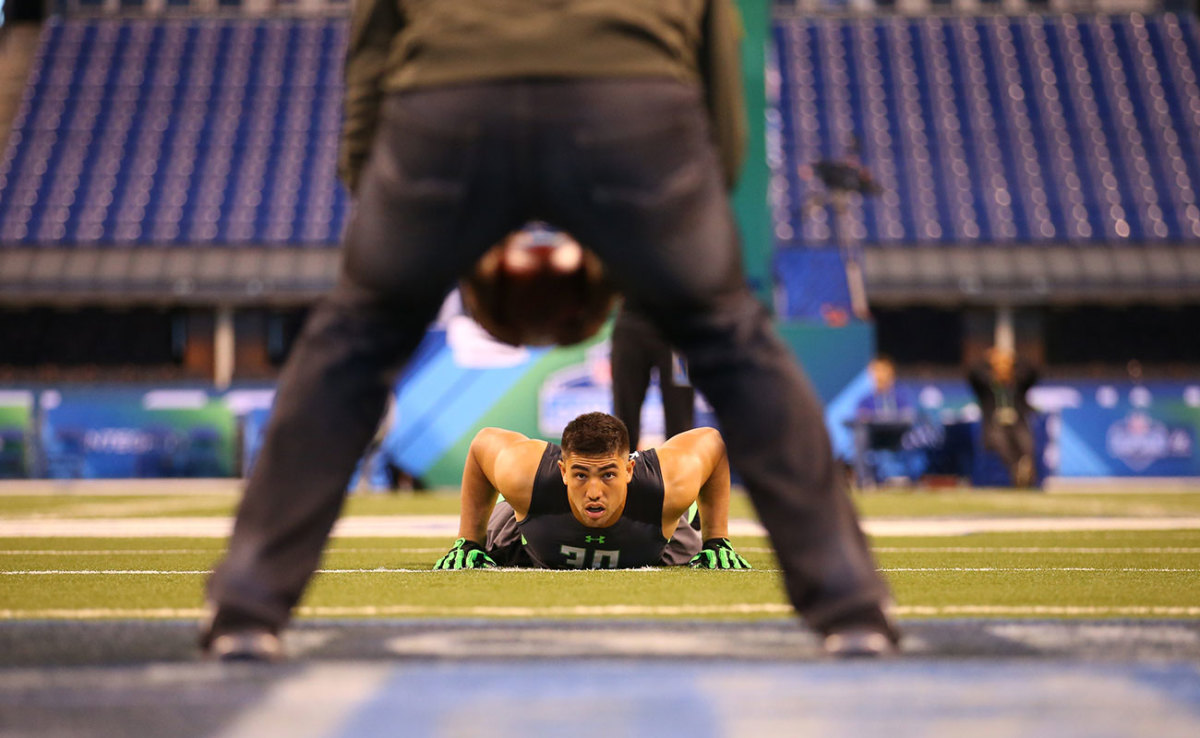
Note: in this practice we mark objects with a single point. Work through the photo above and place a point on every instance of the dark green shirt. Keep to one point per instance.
(403, 44)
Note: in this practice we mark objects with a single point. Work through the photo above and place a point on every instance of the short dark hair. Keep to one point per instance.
(595, 434)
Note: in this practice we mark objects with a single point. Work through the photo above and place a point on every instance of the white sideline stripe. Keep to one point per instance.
(1001, 549)
(644, 569)
(1047, 610)
(197, 551)
(1020, 550)
(315, 702)
(79, 572)
(106, 552)
(99, 613)
(961, 527)
(446, 526)
(752, 608)
(170, 572)
(759, 608)
(121, 487)
(1115, 570)
(373, 570)
(743, 549)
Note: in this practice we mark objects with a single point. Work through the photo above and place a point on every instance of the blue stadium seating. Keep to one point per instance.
(990, 130)
(982, 130)
(178, 132)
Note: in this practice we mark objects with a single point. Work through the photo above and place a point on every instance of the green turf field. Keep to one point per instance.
(898, 504)
(1117, 574)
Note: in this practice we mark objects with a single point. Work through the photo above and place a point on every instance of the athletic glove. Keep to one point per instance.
(465, 554)
(718, 554)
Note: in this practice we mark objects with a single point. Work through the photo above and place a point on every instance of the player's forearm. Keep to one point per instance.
(478, 499)
(714, 503)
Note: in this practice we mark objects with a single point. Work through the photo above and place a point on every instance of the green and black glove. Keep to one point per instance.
(465, 554)
(718, 554)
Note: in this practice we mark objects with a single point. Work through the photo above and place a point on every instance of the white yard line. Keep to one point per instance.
(938, 550)
(603, 572)
(1161, 611)
(1121, 485)
(101, 613)
(372, 570)
(199, 551)
(1106, 569)
(969, 526)
(1021, 550)
(379, 526)
(943, 550)
(750, 608)
(446, 526)
(754, 608)
(119, 487)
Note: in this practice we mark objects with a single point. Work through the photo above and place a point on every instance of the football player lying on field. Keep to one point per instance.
(590, 504)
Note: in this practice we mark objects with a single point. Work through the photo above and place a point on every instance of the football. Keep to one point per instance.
(539, 287)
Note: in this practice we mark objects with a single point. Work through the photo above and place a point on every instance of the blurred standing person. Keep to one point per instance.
(619, 121)
(1001, 382)
(637, 350)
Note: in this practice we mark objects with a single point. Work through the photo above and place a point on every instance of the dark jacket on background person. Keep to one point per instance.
(398, 45)
(994, 395)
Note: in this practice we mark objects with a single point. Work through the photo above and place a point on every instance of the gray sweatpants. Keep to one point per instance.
(504, 540)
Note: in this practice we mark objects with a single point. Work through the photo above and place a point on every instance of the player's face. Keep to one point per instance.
(596, 486)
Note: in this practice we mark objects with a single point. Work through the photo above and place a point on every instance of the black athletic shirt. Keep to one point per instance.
(554, 539)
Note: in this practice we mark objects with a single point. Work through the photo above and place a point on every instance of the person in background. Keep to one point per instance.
(637, 350)
(1001, 382)
(882, 420)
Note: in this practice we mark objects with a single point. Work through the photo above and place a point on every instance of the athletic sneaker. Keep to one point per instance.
(230, 636)
(867, 633)
(860, 642)
(247, 645)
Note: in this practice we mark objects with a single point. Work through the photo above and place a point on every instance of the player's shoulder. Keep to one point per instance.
(690, 453)
(701, 442)
(517, 465)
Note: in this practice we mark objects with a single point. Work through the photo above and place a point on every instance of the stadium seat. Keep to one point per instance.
(1010, 132)
(1005, 129)
(196, 132)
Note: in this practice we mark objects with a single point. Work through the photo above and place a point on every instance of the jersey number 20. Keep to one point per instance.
(588, 558)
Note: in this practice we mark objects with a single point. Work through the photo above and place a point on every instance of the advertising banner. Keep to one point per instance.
(1145, 430)
(16, 431)
(112, 433)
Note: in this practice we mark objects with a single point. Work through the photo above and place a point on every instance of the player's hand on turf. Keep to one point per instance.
(465, 554)
(718, 554)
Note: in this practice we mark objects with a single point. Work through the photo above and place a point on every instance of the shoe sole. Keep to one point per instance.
(258, 646)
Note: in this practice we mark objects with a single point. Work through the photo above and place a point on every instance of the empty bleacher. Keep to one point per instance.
(178, 132)
(1034, 139)
(196, 132)
(195, 156)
